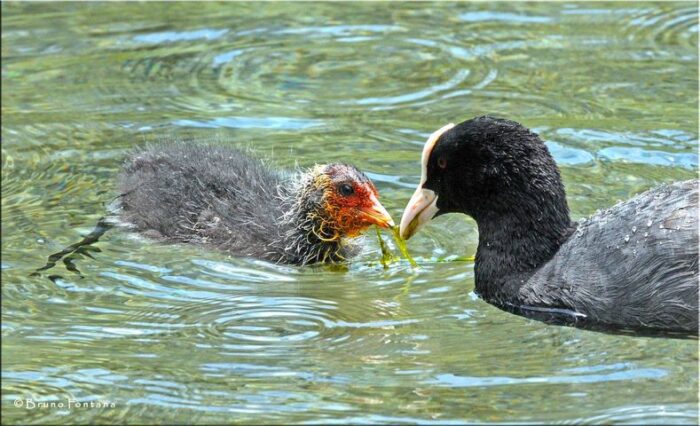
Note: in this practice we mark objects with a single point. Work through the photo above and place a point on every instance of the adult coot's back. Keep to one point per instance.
(218, 196)
(634, 265)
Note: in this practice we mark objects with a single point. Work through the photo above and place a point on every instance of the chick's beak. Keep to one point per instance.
(419, 210)
(376, 214)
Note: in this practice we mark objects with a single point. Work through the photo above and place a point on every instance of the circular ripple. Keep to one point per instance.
(313, 68)
(268, 77)
(287, 320)
(334, 70)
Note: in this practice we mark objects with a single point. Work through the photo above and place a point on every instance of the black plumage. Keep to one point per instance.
(634, 265)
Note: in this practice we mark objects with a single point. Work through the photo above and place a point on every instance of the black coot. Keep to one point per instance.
(634, 265)
(217, 196)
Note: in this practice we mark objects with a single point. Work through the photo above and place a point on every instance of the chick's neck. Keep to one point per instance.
(309, 234)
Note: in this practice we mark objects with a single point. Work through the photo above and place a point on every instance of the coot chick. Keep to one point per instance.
(632, 266)
(218, 196)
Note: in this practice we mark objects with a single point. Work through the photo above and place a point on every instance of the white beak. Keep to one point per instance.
(422, 206)
(419, 210)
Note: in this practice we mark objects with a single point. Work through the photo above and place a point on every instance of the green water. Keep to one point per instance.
(181, 334)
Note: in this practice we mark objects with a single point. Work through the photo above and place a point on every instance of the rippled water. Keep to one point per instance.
(182, 334)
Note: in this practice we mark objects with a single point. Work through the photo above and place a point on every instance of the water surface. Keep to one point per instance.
(182, 334)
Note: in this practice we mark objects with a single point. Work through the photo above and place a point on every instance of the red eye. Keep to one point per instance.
(442, 162)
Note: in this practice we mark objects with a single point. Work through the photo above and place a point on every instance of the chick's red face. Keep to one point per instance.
(352, 201)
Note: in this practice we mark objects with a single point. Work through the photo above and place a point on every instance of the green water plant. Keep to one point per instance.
(388, 257)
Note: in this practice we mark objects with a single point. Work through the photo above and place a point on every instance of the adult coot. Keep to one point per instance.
(218, 196)
(634, 265)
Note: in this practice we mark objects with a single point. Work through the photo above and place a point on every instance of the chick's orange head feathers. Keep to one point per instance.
(351, 200)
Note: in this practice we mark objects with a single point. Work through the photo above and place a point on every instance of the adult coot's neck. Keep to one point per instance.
(522, 220)
(513, 243)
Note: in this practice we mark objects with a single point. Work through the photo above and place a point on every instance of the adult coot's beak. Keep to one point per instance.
(422, 205)
(419, 210)
(376, 214)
